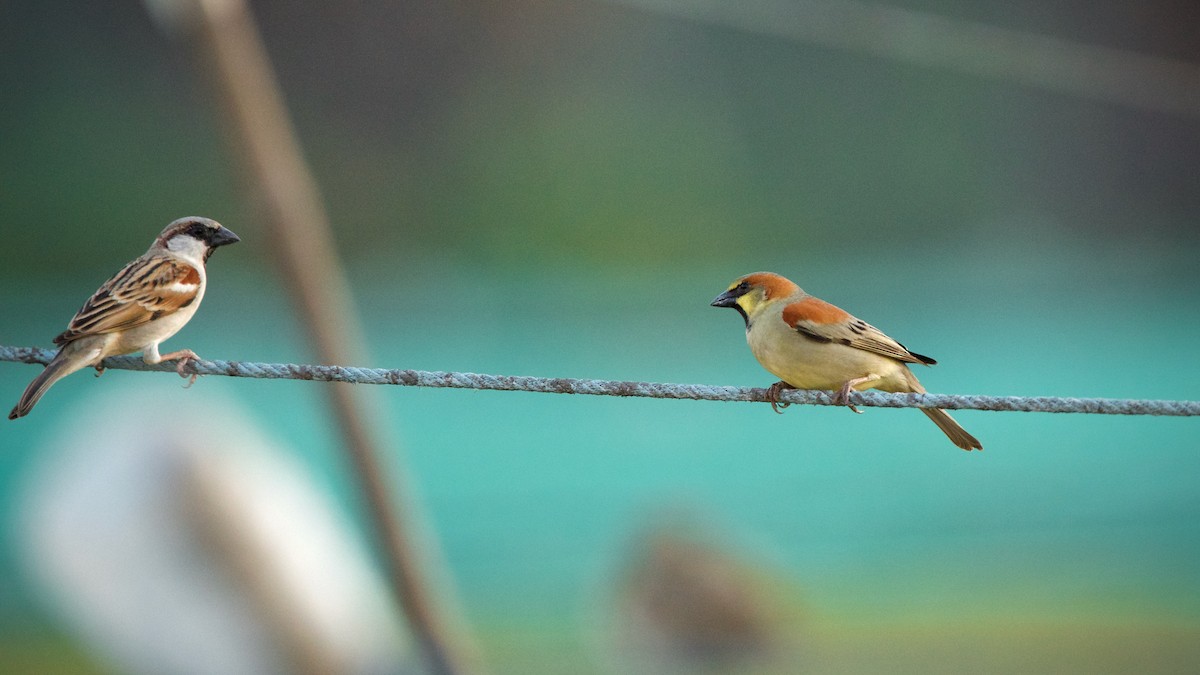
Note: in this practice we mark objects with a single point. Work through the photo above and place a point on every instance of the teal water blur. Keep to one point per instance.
(1064, 520)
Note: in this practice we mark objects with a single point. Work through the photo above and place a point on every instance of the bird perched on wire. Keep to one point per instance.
(811, 344)
(148, 301)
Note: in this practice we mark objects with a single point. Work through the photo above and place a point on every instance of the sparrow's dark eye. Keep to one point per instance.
(742, 288)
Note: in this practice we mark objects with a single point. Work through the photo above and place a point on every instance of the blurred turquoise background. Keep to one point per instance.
(559, 189)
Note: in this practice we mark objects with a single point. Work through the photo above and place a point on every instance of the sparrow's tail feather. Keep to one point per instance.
(945, 422)
(957, 434)
(58, 368)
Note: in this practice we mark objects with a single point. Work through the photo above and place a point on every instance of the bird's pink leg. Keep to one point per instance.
(183, 356)
(842, 396)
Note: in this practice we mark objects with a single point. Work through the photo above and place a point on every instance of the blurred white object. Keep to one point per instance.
(175, 538)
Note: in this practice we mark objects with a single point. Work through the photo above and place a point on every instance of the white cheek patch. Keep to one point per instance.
(187, 246)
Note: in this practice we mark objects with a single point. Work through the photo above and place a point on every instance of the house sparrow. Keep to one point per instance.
(811, 344)
(148, 301)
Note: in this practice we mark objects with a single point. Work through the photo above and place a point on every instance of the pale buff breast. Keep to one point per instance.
(806, 363)
(154, 332)
(158, 330)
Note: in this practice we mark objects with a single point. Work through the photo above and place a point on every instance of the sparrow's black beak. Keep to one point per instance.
(223, 236)
(726, 299)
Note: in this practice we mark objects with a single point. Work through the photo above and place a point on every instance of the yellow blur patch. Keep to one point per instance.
(750, 300)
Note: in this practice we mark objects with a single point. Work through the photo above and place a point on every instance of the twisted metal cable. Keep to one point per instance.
(563, 385)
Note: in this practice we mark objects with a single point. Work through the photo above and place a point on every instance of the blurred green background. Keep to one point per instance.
(559, 189)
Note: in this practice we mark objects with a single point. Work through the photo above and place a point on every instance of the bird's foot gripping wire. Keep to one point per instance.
(773, 392)
(183, 358)
(842, 396)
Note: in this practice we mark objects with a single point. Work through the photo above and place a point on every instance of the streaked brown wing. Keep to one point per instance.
(821, 321)
(144, 290)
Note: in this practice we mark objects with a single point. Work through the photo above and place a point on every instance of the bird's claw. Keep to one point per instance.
(182, 364)
(773, 396)
(842, 397)
(99, 369)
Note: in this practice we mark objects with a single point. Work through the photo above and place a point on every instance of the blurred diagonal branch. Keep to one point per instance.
(925, 39)
(227, 41)
(699, 392)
